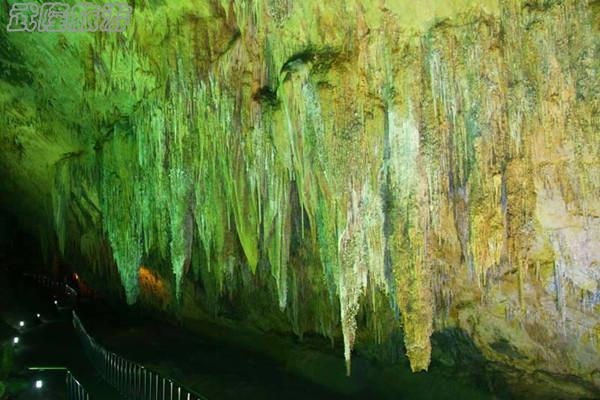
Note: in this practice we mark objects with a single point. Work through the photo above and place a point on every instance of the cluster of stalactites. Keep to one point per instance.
(382, 191)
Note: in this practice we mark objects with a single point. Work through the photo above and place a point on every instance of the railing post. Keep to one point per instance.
(148, 385)
(125, 383)
(109, 371)
(127, 377)
(140, 381)
(156, 386)
(105, 366)
(117, 373)
(136, 380)
(115, 370)
(120, 374)
(112, 368)
(108, 367)
(123, 375)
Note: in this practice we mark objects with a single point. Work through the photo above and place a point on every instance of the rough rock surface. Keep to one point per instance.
(342, 167)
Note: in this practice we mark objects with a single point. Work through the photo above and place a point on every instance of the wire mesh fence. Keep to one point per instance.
(132, 380)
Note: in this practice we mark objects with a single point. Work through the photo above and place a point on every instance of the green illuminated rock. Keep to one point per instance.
(427, 165)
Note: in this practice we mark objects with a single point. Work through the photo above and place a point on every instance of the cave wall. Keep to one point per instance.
(353, 167)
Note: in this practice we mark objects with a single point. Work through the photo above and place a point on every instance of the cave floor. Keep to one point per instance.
(214, 368)
(220, 369)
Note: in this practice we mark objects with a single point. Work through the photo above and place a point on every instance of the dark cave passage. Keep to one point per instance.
(218, 367)
(217, 361)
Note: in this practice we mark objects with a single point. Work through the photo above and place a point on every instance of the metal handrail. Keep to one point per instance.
(132, 380)
(75, 390)
(52, 284)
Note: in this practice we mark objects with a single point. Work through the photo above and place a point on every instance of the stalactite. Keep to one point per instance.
(340, 169)
(413, 286)
(277, 225)
(60, 199)
(120, 202)
(180, 231)
(361, 259)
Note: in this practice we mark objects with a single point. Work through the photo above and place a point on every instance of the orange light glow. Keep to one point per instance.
(151, 284)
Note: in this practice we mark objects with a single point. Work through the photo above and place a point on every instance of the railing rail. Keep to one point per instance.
(48, 283)
(75, 390)
(132, 380)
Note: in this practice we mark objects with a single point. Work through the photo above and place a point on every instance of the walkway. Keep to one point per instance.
(212, 368)
(220, 365)
(47, 342)
(217, 364)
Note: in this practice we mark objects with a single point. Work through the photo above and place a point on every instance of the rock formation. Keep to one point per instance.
(355, 168)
